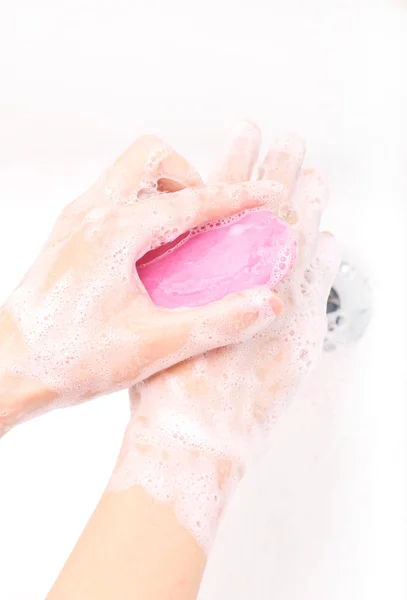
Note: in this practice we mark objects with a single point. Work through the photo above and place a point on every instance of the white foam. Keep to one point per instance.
(196, 427)
(84, 322)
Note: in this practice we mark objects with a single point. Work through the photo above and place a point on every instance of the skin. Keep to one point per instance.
(133, 546)
(81, 324)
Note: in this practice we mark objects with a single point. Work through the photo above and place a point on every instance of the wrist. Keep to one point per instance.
(197, 483)
(20, 398)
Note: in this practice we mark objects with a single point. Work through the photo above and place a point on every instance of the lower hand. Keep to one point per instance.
(195, 427)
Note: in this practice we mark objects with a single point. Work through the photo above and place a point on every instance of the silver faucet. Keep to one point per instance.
(348, 307)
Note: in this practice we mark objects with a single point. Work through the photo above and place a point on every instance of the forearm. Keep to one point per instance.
(132, 547)
(150, 535)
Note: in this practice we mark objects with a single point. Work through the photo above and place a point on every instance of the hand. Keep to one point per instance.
(82, 324)
(195, 427)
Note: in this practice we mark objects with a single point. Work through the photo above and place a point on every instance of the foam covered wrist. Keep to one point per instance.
(197, 481)
(20, 400)
(20, 397)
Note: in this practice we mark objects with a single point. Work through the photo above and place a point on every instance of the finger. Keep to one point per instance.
(240, 156)
(166, 217)
(171, 175)
(283, 161)
(316, 282)
(326, 263)
(310, 200)
(147, 166)
(234, 318)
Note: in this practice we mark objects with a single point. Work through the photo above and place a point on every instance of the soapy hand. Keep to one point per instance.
(82, 324)
(195, 427)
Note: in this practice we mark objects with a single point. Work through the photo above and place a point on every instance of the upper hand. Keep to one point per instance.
(81, 323)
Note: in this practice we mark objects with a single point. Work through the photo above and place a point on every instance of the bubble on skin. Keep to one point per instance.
(196, 482)
(284, 158)
(213, 432)
(77, 367)
(232, 398)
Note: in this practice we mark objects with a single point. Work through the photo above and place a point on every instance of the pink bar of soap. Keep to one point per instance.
(257, 248)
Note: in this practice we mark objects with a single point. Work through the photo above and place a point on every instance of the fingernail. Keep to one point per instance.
(246, 129)
(276, 304)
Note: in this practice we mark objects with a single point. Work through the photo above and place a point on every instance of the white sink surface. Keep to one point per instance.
(321, 515)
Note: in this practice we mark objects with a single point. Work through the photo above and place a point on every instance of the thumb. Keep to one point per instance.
(148, 166)
(234, 318)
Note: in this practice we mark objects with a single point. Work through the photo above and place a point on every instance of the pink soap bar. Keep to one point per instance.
(254, 249)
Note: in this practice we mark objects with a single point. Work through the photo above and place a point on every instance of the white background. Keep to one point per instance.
(323, 515)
